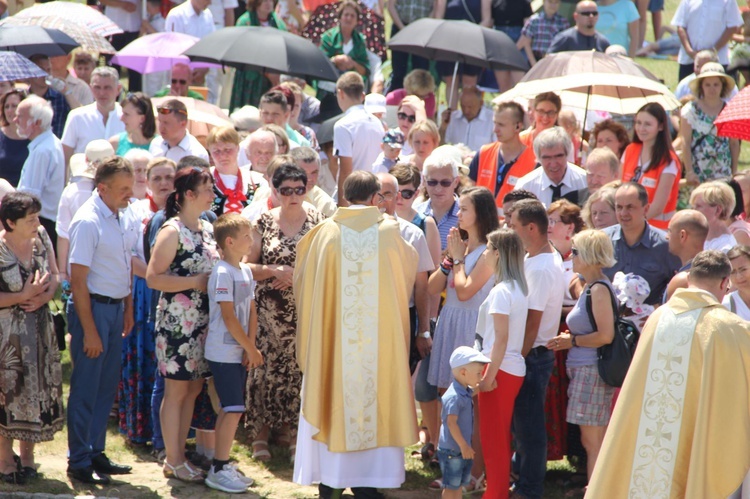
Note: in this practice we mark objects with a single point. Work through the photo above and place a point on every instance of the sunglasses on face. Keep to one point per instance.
(175, 81)
(411, 118)
(288, 191)
(407, 193)
(167, 110)
(589, 13)
(443, 183)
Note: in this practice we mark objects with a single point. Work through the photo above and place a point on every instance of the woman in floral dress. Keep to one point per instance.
(181, 261)
(31, 408)
(273, 390)
(706, 156)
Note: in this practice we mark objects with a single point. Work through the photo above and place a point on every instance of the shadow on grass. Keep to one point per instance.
(118, 488)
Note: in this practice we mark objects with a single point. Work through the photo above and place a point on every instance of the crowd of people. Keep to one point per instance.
(293, 279)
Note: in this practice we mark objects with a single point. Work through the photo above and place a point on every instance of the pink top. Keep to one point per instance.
(739, 226)
(394, 99)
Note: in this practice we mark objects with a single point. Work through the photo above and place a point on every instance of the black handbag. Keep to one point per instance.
(614, 359)
(58, 321)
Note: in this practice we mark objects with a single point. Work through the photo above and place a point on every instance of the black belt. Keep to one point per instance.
(538, 350)
(105, 299)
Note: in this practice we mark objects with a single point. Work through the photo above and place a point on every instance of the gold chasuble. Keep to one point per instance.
(681, 425)
(352, 281)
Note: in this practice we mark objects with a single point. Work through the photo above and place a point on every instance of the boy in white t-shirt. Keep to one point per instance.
(230, 345)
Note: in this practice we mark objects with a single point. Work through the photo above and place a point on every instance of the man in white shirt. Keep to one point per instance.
(309, 160)
(545, 277)
(357, 135)
(194, 18)
(557, 178)
(127, 15)
(174, 141)
(257, 150)
(705, 25)
(472, 125)
(100, 120)
(43, 172)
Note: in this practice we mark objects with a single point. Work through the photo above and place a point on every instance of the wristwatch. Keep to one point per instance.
(457, 261)
(426, 334)
(573, 340)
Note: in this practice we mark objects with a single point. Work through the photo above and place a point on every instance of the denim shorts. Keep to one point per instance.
(229, 381)
(455, 469)
(655, 5)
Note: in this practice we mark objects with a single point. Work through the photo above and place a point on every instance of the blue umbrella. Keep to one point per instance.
(14, 66)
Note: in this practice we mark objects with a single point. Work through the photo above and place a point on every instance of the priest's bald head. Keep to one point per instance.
(362, 187)
(710, 272)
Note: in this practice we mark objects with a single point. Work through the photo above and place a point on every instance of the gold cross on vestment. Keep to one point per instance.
(658, 434)
(668, 358)
(360, 273)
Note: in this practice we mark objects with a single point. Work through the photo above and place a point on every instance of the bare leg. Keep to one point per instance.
(643, 21)
(431, 419)
(592, 438)
(176, 414)
(226, 427)
(7, 464)
(656, 21)
(27, 454)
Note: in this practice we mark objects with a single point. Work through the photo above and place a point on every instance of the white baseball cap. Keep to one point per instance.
(375, 103)
(466, 355)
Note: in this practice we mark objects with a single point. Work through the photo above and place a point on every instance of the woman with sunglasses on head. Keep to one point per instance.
(650, 161)
(181, 261)
(410, 110)
(273, 389)
(140, 124)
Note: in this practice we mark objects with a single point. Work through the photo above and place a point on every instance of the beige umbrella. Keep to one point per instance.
(79, 13)
(201, 115)
(593, 81)
(86, 38)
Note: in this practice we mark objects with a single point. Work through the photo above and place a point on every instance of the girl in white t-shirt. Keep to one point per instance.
(738, 301)
(500, 333)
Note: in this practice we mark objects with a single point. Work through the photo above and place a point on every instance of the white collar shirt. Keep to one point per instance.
(358, 135)
(540, 184)
(86, 123)
(43, 173)
(473, 134)
(188, 146)
(184, 19)
(705, 21)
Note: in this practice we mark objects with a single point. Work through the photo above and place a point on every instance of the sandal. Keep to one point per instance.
(476, 484)
(436, 484)
(261, 455)
(292, 452)
(189, 475)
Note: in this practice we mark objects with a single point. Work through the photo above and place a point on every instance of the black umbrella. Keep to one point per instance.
(261, 49)
(325, 132)
(459, 41)
(31, 40)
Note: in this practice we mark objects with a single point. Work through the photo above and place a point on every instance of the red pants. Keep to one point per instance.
(495, 416)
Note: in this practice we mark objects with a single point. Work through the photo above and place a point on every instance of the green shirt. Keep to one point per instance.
(164, 92)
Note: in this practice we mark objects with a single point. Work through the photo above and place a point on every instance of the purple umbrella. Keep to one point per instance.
(158, 52)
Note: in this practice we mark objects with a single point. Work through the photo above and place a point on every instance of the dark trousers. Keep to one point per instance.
(326, 492)
(157, 395)
(400, 64)
(93, 383)
(134, 77)
(49, 226)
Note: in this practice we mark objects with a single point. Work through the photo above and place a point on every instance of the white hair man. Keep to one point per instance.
(257, 150)
(99, 120)
(602, 167)
(557, 178)
(43, 172)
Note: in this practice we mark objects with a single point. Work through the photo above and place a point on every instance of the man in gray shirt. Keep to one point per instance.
(639, 247)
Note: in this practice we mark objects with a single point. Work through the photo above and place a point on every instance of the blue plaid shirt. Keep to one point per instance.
(60, 108)
(542, 30)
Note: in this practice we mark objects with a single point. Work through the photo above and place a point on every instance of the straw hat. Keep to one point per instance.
(707, 71)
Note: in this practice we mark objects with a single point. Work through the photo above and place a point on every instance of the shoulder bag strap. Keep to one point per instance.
(615, 309)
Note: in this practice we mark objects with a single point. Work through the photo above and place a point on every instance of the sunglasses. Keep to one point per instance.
(288, 191)
(411, 118)
(175, 81)
(589, 13)
(574, 251)
(443, 183)
(168, 110)
(407, 193)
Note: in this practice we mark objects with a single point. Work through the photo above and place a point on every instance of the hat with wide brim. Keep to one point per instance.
(709, 70)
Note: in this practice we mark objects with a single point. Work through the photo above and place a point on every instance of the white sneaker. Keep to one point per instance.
(226, 480)
(245, 479)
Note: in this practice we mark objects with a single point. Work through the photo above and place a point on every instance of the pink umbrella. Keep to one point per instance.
(158, 52)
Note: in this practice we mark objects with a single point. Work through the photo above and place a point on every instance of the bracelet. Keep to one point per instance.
(447, 263)
(573, 340)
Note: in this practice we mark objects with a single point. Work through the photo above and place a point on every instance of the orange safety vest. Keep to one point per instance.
(487, 171)
(650, 180)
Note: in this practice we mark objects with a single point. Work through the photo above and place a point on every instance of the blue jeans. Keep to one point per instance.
(455, 469)
(157, 395)
(530, 459)
(93, 383)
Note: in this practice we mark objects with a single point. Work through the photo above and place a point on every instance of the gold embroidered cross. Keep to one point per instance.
(668, 358)
(360, 273)
(361, 340)
(658, 434)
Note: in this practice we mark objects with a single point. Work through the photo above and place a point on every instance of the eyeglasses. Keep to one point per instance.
(553, 222)
(411, 118)
(167, 110)
(388, 195)
(288, 191)
(548, 114)
(407, 193)
(574, 251)
(589, 13)
(443, 183)
(175, 81)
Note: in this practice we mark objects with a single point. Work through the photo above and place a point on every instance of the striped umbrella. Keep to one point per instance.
(86, 37)
(76, 12)
(14, 66)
